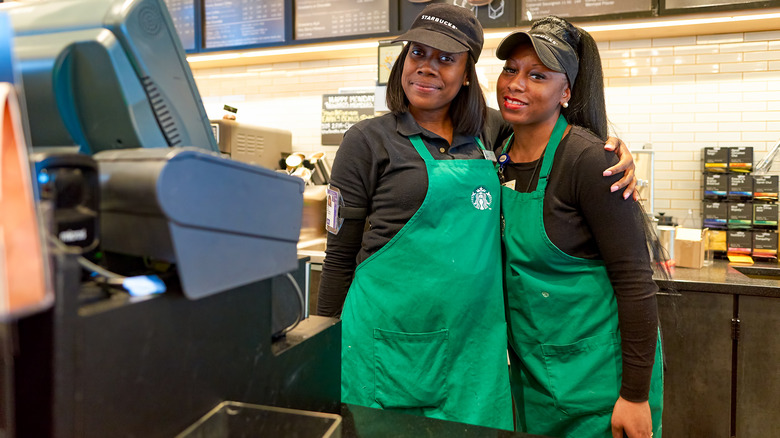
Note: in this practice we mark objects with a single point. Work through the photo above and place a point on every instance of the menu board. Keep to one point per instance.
(535, 9)
(183, 15)
(497, 13)
(683, 4)
(231, 23)
(341, 111)
(336, 18)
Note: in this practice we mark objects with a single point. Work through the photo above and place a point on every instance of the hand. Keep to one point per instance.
(626, 164)
(631, 418)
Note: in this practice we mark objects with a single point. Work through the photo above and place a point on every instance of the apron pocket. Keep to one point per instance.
(585, 376)
(410, 369)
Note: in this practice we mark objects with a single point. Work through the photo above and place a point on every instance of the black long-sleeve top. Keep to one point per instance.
(583, 219)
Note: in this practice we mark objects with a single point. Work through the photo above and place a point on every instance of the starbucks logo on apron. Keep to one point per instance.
(481, 198)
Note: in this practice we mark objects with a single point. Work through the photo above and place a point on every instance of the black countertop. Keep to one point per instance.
(724, 278)
(362, 422)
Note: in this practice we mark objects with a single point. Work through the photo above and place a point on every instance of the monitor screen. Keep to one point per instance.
(106, 74)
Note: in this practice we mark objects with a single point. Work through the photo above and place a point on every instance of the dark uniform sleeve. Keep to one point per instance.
(619, 231)
(354, 173)
(496, 130)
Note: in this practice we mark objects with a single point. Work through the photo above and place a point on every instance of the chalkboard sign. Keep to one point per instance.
(235, 23)
(341, 111)
(535, 9)
(183, 16)
(316, 19)
(498, 13)
(687, 4)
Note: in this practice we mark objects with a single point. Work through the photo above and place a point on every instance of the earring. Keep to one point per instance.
(565, 104)
(467, 83)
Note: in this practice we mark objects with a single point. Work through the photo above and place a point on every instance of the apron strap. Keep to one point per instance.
(508, 143)
(549, 152)
(552, 146)
(425, 153)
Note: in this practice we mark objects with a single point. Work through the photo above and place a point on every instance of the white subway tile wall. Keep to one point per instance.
(675, 95)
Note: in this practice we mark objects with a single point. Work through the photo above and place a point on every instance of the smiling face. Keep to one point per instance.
(431, 78)
(528, 92)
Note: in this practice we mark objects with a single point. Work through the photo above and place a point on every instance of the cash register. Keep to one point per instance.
(108, 80)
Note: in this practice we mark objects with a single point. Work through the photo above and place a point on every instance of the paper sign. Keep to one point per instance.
(23, 268)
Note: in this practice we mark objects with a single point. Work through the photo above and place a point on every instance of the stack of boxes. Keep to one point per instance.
(739, 209)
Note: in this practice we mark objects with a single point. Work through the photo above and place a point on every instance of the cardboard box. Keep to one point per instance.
(689, 247)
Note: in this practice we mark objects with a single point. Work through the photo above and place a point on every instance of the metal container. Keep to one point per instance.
(314, 205)
(234, 419)
(666, 238)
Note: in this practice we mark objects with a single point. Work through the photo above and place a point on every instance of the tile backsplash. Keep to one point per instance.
(674, 95)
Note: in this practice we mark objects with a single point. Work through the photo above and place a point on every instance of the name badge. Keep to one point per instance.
(510, 184)
(332, 220)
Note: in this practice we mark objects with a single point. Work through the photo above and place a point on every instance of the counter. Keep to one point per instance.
(722, 277)
(362, 422)
(721, 351)
(313, 248)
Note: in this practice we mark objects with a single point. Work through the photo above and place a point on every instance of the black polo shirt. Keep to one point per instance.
(377, 168)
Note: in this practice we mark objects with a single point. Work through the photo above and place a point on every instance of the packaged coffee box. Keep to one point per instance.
(741, 159)
(765, 244)
(715, 214)
(716, 185)
(740, 215)
(766, 187)
(740, 242)
(765, 215)
(716, 159)
(740, 186)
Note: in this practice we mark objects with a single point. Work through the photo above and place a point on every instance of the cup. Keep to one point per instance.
(709, 248)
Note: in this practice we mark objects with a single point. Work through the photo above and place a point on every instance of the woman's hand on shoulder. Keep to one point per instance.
(626, 165)
(633, 419)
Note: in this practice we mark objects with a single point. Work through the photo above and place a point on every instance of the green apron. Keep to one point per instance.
(565, 351)
(423, 325)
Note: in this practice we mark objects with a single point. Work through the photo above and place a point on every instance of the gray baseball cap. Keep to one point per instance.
(448, 28)
(554, 52)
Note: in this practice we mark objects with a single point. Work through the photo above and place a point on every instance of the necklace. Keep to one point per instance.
(531, 179)
(504, 159)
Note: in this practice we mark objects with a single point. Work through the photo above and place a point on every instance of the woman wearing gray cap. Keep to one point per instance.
(423, 324)
(583, 324)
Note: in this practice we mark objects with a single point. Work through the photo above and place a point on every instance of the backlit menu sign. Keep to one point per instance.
(183, 15)
(681, 4)
(335, 18)
(232, 23)
(535, 9)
